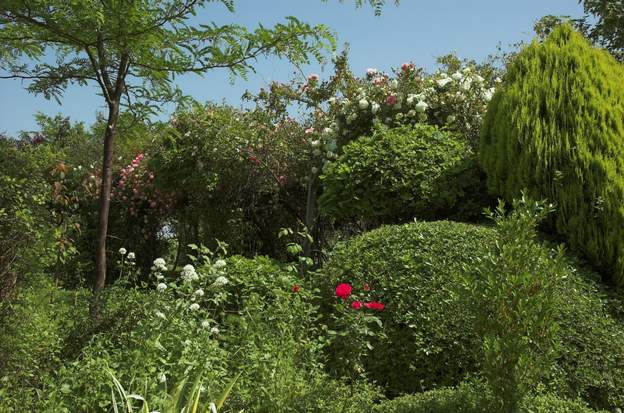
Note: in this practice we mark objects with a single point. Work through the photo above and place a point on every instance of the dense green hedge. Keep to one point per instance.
(555, 128)
(468, 398)
(400, 173)
(412, 269)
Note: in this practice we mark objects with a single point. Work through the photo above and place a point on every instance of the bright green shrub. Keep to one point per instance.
(555, 128)
(473, 398)
(413, 269)
(400, 173)
(33, 329)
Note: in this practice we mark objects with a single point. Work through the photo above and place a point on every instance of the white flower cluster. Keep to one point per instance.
(189, 274)
(158, 267)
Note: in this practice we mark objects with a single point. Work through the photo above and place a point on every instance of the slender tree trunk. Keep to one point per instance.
(105, 193)
(310, 214)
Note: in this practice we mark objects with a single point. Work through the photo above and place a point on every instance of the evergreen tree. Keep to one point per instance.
(556, 128)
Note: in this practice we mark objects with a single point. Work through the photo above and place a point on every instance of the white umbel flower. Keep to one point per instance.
(199, 293)
(188, 273)
(194, 307)
(131, 256)
(122, 251)
(220, 281)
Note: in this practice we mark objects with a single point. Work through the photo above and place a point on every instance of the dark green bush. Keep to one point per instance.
(413, 269)
(473, 398)
(400, 173)
(555, 128)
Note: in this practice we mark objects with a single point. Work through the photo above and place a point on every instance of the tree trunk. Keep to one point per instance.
(310, 214)
(105, 193)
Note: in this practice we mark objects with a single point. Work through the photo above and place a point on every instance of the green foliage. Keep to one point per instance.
(473, 398)
(235, 176)
(555, 128)
(400, 173)
(32, 340)
(430, 342)
(512, 292)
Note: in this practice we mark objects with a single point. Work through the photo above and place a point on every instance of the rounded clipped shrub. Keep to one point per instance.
(430, 343)
(555, 128)
(400, 173)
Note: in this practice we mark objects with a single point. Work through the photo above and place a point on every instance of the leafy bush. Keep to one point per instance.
(401, 173)
(473, 398)
(35, 324)
(512, 292)
(555, 127)
(235, 175)
(430, 343)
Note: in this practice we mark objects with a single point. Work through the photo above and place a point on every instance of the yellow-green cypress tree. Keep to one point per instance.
(555, 127)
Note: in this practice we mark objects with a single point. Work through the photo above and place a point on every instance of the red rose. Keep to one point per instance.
(343, 291)
(296, 288)
(391, 100)
(375, 305)
(356, 305)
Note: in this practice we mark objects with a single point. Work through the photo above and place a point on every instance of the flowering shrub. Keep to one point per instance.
(236, 175)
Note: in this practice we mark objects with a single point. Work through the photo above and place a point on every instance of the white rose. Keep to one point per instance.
(363, 104)
(421, 106)
(375, 107)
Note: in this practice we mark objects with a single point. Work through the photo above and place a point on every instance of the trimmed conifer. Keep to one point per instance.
(555, 127)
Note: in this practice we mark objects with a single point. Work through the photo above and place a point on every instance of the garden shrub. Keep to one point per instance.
(413, 268)
(34, 326)
(474, 398)
(555, 128)
(401, 173)
(235, 176)
(511, 293)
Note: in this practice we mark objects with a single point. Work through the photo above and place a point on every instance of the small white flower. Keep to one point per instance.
(457, 76)
(478, 78)
(162, 378)
(199, 293)
(498, 80)
(394, 83)
(327, 131)
(466, 85)
(363, 104)
(220, 263)
(487, 95)
(159, 262)
(371, 72)
(220, 281)
(410, 99)
(205, 323)
(194, 307)
(161, 287)
(214, 330)
(375, 107)
(188, 273)
(411, 113)
(131, 256)
(421, 106)
(122, 251)
(160, 314)
(444, 81)
(315, 143)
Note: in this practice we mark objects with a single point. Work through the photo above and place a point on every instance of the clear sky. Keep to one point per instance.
(416, 30)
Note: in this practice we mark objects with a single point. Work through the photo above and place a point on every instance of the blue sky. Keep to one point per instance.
(416, 30)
